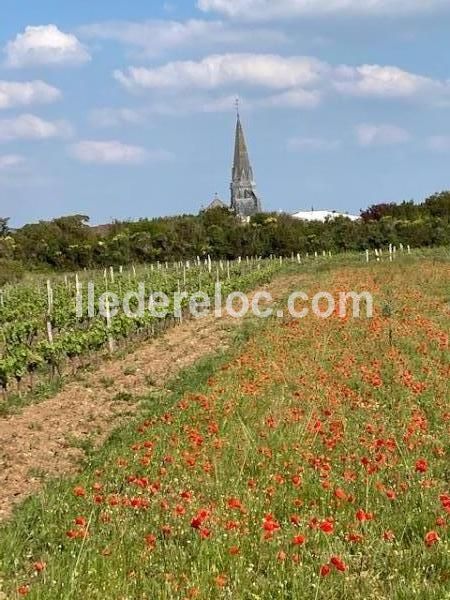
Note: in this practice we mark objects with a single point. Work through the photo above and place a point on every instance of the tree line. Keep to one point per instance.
(70, 243)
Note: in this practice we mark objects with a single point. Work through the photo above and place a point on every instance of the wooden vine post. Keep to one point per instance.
(49, 311)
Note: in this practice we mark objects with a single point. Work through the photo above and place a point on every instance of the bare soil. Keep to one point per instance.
(45, 440)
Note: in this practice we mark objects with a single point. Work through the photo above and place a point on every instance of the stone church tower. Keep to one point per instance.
(244, 198)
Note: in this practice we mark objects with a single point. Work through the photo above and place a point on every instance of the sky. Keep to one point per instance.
(123, 110)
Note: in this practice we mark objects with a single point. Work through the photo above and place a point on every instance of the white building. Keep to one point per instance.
(322, 215)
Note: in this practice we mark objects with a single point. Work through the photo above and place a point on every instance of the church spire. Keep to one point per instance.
(244, 199)
(242, 169)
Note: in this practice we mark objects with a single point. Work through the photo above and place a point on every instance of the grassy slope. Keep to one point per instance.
(309, 422)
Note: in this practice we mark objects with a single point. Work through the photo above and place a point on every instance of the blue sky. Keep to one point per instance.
(125, 109)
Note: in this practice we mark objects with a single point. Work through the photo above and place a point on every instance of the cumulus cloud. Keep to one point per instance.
(313, 143)
(45, 45)
(262, 70)
(15, 93)
(113, 152)
(10, 161)
(381, 135)
(294, 81)
(156, 36)
(30, 127)
(385, 81)
(270, 9)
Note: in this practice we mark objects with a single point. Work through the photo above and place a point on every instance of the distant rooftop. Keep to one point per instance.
(216, 203)
(322, 215)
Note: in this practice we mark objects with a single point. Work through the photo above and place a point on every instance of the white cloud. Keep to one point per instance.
(45, 45)
(30, 127)
(381, 135)
(300, 81)
(10, 161)
(114, 152)
(270, 9)
(385, 81)
(439, 143)
(15, 93)
(261, 70)
(157, 36)
(313, 143)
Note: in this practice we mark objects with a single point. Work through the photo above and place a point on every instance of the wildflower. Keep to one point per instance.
(79, 491)
(199, 518)
(234, 503)
(39, 566)
(23, 590)
(389, 536)
(422, 465)
(337, 562)
(326, 526)
(325, 570)
(166, 530)
(295, 520)
(354, 537)
(299, 540)
(340, 494)
(150, 540)
(362, 515)
(221, 581)
(445, 502)
(431, 538)
(270, 524)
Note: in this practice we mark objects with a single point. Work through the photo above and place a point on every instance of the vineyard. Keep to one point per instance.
(43, 334)
(310, 461)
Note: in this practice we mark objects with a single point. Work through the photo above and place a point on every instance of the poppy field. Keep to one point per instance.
(312, 461)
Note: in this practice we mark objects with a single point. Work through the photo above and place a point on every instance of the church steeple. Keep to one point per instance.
(244, 198)
(242, 168)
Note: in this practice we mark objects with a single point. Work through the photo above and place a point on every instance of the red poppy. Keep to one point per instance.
(298, 540)
(23, 590)
(326, 526)
(150, 540)
(362, 515)
(431, 538)
(422, 465)
(337, 562)
(270, 524)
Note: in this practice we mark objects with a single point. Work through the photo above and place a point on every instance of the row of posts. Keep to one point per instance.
(109, 275)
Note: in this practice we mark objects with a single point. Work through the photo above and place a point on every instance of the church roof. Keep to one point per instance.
(242, 169)
(216, 203)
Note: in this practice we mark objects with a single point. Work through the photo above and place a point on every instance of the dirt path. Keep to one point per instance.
(45, 439)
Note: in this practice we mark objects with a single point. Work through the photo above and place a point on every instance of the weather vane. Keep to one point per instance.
(237, 105)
